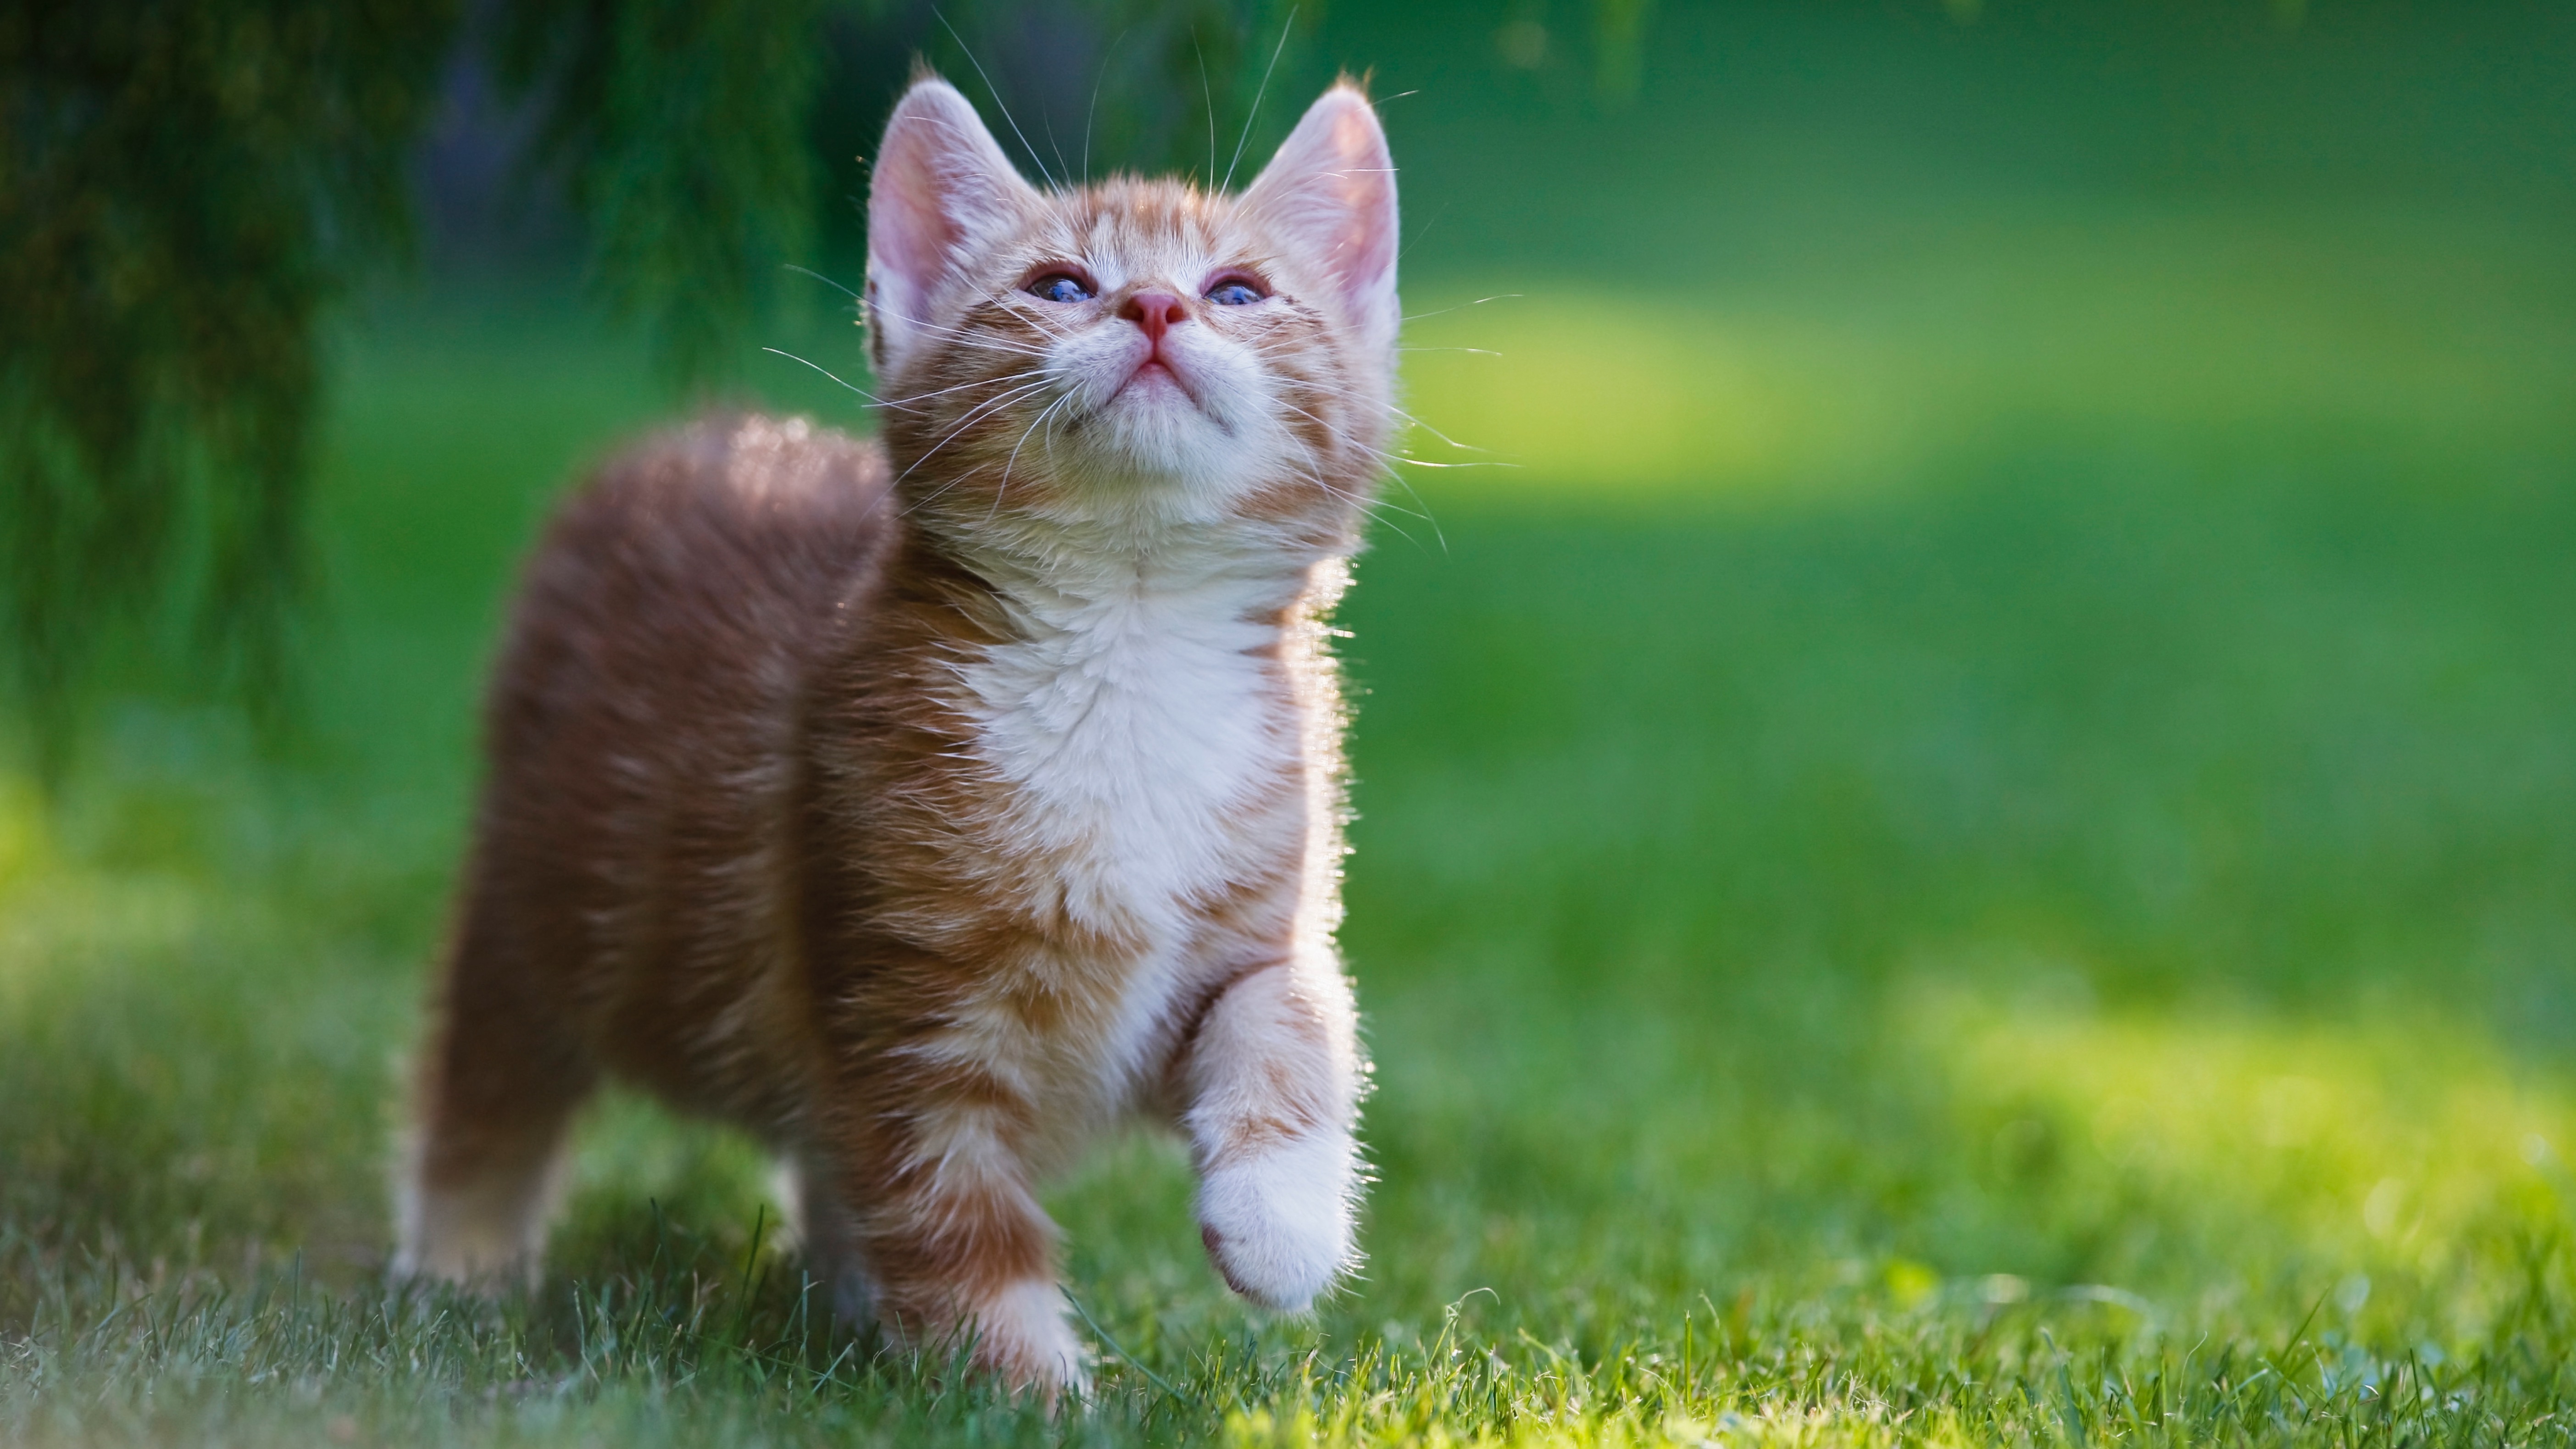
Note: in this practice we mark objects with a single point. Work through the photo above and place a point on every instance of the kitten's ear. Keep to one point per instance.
(1330, 195)
(941, 186)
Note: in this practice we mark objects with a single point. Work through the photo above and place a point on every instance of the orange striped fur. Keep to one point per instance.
(928, 810)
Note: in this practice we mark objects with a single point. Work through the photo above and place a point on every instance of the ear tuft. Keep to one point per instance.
(940, 188)
(1330, 193)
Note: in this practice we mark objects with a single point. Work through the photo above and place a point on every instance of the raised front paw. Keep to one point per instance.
(1277, 1221)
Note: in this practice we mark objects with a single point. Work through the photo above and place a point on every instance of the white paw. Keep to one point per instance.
(1021, 1334)
(488, 1240)
(1278, 1223)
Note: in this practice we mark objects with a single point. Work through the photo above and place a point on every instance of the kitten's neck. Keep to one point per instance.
(1049, 571)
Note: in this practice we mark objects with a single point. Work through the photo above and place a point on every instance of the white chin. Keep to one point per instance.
(1164, 433)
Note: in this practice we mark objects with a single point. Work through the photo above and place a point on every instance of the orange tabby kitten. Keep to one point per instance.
(928, 810)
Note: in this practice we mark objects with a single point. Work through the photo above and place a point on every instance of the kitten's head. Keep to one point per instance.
(1135, 349)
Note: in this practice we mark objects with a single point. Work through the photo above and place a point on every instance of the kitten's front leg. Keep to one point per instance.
(962, 1253)
(1273, 1084)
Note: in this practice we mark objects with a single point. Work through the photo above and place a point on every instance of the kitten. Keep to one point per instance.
(928, 810)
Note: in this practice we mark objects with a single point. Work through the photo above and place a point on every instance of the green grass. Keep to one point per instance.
(2071, 944)
(1976, 845)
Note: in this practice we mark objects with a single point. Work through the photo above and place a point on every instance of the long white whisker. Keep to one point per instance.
(997, 98)
(1002, 489)
(1372, 507)
(973, 415)
(1094, 113)
(1206, 95)
(826, 281)
(935, 494)
(970, 339)
(1371, 504)
(1380, 455)
(1394, 466)
(1008, 377)
(1255, 112)
(1422, 503)
(1463, 306)
(1046, 120)
(1337, 390)
(872, 398)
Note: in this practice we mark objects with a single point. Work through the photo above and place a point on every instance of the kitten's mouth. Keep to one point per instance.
(1154, 374)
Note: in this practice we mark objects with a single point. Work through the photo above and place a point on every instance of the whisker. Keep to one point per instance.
(1337, 390)
(1435, 432)
(1389, 460)
(1425, 505)
(1208, 96)
(935, 494)
(1394, 464)
(873, 399)
(974, 339)
(826, 281)
(1008, 377)
(1002, 490)
(1046, 120)
(997, 97)
(1094, 113)
(973, 415)
(1371, 507)
(1378, 454)
(1249, 116)
(903, 404)
(1463, 306)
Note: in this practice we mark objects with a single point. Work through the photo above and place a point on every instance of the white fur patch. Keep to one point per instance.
(1279, 1221)
(1022, 1331)
(1133, 718)
(486, 1235)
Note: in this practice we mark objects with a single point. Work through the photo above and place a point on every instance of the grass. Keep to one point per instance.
(1984, 959)
(1973, 847)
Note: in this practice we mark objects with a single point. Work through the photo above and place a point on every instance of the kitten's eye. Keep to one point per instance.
(1060, 287)
(1235, 292)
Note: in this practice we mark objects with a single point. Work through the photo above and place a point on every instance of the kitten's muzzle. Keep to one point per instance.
(1155, 314)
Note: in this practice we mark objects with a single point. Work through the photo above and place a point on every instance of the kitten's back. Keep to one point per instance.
(642, 730)
(721, 549)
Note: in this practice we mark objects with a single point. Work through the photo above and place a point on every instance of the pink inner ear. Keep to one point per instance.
(939, 180)
(1366, 255)
(908, 237)
(1330, 192)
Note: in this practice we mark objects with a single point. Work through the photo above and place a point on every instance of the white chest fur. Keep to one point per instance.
(1134, 721)
(1136, 717)
(1138, 721)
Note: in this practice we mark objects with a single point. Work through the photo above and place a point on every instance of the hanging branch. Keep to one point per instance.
(183, 187)
(187, 187)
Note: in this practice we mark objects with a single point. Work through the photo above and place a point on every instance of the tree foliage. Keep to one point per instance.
(184, 186)
(680, 128)
(188, 186)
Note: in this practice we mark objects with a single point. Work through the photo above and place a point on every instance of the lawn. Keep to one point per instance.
(1965, 842)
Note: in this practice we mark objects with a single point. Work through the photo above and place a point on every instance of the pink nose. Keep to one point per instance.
(1156, 312)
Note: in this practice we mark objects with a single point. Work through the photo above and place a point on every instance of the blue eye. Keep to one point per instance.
(1060, 287)
(1234, 292)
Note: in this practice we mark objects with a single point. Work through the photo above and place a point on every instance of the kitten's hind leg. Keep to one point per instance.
(827, 1236)
(502, 1074)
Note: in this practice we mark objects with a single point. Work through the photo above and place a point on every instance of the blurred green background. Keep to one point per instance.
(1976, 726)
